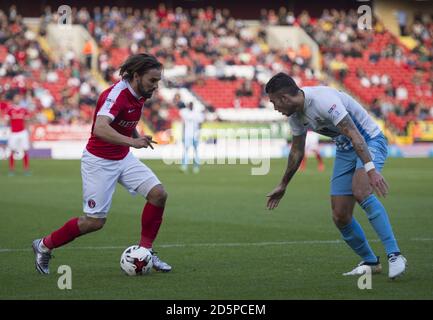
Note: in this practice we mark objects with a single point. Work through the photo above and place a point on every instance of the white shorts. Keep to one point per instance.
(101, 175)
(19, 141)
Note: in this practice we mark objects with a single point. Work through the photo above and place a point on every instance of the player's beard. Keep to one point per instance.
(147, 94)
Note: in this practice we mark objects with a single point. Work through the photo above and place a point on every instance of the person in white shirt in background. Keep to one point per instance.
(191, 121)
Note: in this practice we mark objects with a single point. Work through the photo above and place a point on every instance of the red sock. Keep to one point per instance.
(319, 158)
(64, 235)
(151, 220)
(303, 163)
(320, 165)
(26, 160)
(11, 162)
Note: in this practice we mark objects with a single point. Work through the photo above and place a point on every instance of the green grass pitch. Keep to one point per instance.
(217, 234)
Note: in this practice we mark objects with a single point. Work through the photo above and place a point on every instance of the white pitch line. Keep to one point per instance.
(185, 245)
(221, 244)
(422, 239)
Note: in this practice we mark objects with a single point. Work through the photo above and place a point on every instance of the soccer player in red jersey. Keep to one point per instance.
(4, 107)
(107, 160)
(19, 140)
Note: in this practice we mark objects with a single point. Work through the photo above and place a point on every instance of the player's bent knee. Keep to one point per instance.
(158, 196)
(361, 188)
(341, 221)
(340, 218)
(89, 224)
(360, 193)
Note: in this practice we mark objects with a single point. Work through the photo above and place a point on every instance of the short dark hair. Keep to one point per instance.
(282, 81)
(138, 63)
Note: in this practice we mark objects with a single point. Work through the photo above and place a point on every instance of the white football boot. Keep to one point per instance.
(42, 258)
(397, 265)
(158, 264)
(364, 267)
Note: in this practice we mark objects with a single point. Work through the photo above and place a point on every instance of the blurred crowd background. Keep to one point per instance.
(391, 79)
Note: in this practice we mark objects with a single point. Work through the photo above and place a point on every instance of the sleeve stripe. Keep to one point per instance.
(341, 117)
(105, 114)
(111, 99)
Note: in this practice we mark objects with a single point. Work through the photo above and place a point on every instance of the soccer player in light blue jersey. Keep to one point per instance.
(360, 157)
(192, 120)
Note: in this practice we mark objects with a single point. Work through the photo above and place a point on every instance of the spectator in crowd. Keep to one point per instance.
(402, 21)
(401, 92)
(177, 101)
(245, 90)
(376, 109)
(338, 67)
(385, 107)
(390, 90)
(88, 53)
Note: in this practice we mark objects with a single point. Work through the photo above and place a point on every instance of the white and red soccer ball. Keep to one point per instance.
(136, 261)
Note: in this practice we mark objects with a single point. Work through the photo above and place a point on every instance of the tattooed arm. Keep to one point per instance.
(348, 128)
(295, 157)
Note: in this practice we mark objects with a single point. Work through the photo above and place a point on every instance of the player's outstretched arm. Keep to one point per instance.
(348, 128)
(104, 131)
(295, 157)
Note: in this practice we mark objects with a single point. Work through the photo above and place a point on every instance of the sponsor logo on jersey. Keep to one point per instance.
(127, 124)
(333, 111)
(332, 108)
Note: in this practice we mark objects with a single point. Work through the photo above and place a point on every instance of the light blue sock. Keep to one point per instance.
(196, 157)
(185, 158)
(355, 238)
(378, 217)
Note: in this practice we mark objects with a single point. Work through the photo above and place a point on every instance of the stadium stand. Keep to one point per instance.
(54, 91)
(214, 56)
(377, 67)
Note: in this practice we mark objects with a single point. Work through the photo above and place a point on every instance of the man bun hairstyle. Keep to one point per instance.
(282, 81)
(138, 63)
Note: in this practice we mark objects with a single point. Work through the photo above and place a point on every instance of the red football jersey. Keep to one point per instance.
(4, 107)
(124, 107)
(17, 118)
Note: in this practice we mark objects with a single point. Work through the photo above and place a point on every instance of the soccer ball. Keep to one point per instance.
(136, 261)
